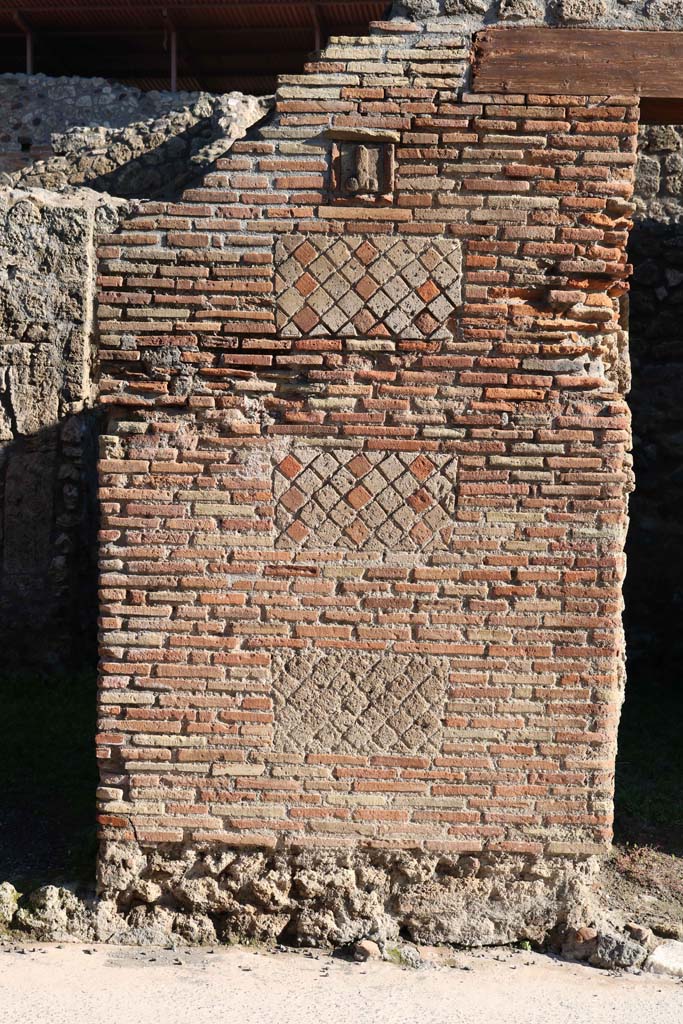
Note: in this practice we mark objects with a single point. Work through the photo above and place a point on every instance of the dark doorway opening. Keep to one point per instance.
(49, 778)
(48, 625)
(649, 795)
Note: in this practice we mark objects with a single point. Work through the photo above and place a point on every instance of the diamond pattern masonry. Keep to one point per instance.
(364, 500)
(366, 286)
(359, 702)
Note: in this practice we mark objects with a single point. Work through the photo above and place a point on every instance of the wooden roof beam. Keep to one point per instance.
(171, 44)
(580, 62)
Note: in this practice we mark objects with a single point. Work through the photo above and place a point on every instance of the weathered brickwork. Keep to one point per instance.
(361, 578)
(48, 350)
(359, 702)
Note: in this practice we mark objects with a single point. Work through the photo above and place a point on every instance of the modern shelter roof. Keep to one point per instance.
(221, 44)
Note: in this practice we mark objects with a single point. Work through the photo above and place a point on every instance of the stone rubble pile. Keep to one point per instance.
(151, 159)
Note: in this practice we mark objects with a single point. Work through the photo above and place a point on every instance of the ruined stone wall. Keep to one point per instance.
(363, 493)
(48, 426)
(152, 159)
(472, 14)
(41, 116)
(48, 437)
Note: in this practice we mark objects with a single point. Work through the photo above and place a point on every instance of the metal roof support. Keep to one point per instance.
(171, 43)
(28, 35)
(174, 61)
(317, 28)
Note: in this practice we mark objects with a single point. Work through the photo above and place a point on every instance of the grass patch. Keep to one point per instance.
(48, 778)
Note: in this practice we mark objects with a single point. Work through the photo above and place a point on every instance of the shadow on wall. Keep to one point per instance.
(49, 778)
(164, 172)
(161, 173)
(48, 558)
(649, 803)
(48, 475)
(48, 619)
(48, 483)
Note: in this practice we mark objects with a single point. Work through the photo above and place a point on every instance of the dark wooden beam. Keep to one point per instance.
(159, 6)
(591, 62)
(112, 63)
(653, 111)
(317, 29)
(171, 44)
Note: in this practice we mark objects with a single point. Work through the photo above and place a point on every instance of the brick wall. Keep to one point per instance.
(363, 499)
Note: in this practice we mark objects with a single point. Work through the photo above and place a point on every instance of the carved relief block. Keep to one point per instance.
(363, 163)
(365, 168)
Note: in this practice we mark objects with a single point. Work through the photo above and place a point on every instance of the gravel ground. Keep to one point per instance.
(50, 984)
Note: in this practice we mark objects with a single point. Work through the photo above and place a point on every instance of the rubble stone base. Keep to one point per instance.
(335, 897)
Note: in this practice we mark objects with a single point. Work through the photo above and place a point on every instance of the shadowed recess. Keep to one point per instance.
(649, 806)
(49, 777)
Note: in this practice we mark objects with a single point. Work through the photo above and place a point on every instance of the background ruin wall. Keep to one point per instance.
(363, 496)
(655, 544)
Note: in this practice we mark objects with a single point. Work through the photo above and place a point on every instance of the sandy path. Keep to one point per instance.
(67, 985)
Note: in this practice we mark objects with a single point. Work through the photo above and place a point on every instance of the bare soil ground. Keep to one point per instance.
(101, 984)
(647, 885)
